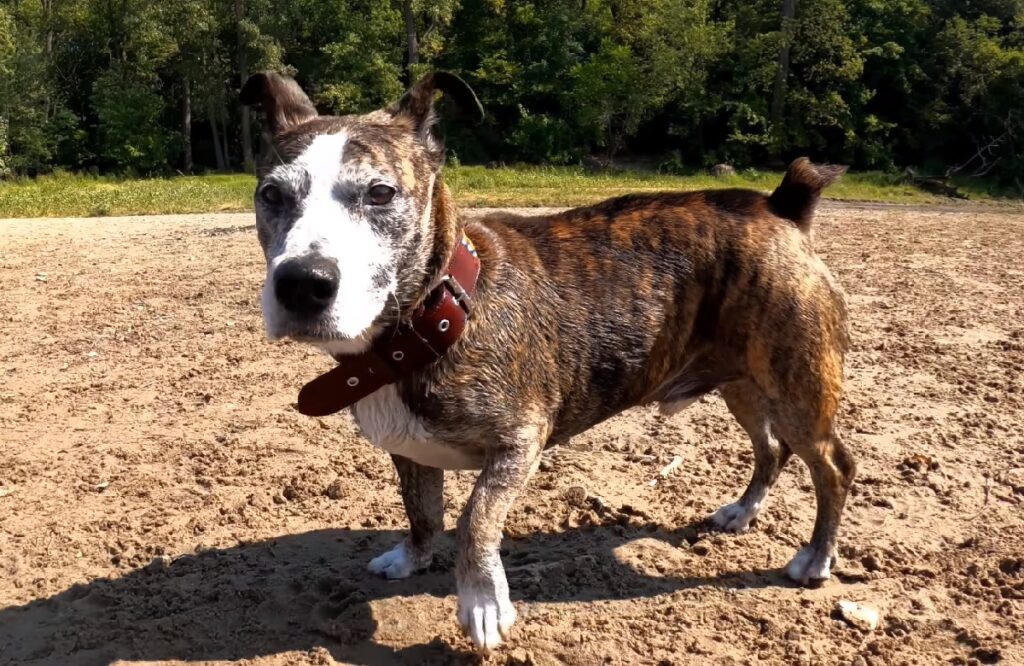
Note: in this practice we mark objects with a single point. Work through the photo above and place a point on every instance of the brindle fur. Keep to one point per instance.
(653, 298)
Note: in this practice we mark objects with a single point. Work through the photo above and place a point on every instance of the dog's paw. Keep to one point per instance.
(810, 566)
(486, 616)
(399, 562)
(735, 517)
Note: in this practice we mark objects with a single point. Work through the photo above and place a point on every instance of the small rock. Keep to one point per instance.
(920, 463)
(700, 548)
(870, 563)
(723, 170)
(576, 496)
(520, 657)
(102, 485)
(336, 490)
(42, 277)
(987, 655)
(857, 615)
(159, 563)
(321, 656)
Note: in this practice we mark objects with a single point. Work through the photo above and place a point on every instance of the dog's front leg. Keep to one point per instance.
(485, 610)
(423, 496)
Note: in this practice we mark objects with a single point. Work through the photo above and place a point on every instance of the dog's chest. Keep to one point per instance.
(386, 421)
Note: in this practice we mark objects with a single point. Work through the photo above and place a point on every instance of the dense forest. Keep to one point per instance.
(143, 87)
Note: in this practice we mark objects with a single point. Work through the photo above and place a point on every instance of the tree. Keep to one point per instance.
(192, 26)
(133, 85)
(787, 13)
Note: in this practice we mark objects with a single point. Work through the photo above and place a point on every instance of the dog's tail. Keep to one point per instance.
(796, 198)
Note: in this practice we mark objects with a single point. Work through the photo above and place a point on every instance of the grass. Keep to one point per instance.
(66, 195)
(574, 186)
(69, 195)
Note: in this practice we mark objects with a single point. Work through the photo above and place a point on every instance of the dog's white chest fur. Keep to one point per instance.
(387, 423)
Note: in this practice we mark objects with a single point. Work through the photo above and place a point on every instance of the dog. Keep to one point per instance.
(558, 322)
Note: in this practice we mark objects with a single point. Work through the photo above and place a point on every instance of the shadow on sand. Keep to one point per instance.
(300, 591)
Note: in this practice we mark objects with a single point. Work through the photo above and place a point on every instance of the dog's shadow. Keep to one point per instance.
(301, 591)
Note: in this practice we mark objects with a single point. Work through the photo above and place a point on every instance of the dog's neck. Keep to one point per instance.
(448, 229)
(424, 335)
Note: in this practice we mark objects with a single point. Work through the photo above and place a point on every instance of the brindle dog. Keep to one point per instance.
(653, 298)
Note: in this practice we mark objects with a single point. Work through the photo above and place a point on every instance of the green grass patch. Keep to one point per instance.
(63, 195)
(574, 186)
(66, 195)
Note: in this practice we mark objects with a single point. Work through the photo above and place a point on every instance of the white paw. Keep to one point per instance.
(735, 517)
(809, 566)
(398, 563)
(486, 615)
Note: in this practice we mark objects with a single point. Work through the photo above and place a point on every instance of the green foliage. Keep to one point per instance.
(543, 138)
(130, 135)
(128, 85)
(607, 101)
(361, 67)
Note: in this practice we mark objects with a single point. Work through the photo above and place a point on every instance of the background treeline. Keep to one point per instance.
(144, 86)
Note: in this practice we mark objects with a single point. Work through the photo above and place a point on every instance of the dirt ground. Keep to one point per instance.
(162, 501)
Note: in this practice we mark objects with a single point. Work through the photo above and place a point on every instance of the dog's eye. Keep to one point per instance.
(272, 194)
(381, 194)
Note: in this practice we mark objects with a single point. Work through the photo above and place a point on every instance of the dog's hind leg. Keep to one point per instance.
(423, 496)
(832, 471)
(750, 408)
(803, 416)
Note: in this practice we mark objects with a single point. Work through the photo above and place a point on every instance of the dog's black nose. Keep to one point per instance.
(306, 286)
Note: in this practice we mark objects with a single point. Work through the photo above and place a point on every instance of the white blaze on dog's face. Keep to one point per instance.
(333, 216)
(343, 213)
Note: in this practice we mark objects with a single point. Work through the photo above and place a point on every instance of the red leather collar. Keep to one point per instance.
(418, 342)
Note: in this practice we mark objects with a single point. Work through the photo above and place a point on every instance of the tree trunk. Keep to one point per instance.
(186, 123)
(218, 152)
(248, 163)
(224, 139)
(787, 12)
(412, 52)
(48, 22)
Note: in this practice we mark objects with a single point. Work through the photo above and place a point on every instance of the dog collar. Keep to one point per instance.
(430, 332)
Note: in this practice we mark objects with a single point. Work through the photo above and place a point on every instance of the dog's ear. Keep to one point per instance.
(281, 99)
(417, 105)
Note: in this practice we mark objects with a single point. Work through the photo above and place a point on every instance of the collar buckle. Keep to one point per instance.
(459, 295)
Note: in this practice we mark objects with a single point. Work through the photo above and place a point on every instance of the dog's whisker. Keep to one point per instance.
(398, 314)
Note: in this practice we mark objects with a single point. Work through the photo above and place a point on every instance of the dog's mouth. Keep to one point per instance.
(324, 337)
(320, 332)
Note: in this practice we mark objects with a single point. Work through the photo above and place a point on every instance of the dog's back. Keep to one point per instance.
(665, 297)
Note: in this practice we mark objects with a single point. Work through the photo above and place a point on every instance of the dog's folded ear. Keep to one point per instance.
(283, 103)
(417, 105)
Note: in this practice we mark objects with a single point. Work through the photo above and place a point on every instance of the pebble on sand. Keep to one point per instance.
(857, 615)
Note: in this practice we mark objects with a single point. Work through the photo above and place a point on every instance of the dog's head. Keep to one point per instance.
(350, 211)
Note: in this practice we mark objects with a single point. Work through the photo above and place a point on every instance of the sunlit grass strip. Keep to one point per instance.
(65, 195)
(69, 196)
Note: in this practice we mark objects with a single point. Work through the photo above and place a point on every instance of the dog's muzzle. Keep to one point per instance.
(306, 286)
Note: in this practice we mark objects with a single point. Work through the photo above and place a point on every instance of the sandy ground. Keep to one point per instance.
(162, 501)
